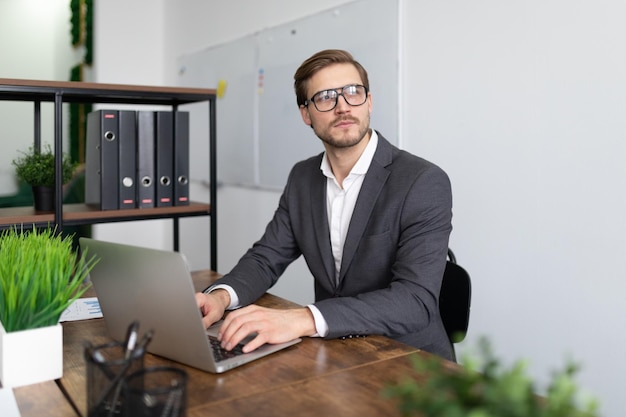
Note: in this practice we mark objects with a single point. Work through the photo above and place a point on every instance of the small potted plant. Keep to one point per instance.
(484, 388)
(40, 276)
(37, 168)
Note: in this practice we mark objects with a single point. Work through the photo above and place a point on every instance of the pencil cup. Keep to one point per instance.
(156, 392)
(107, 365)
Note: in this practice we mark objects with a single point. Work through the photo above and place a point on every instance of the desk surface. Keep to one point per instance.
(314, 377)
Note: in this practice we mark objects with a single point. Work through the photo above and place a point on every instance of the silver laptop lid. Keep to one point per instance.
(155, 287)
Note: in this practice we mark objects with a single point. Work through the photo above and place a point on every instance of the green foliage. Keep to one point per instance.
(36, 167)
(89, 32)
(40, 276)
(484, 391)
(75, 21)
(81, 27)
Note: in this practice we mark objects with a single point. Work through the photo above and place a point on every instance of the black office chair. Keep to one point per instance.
(455, 299)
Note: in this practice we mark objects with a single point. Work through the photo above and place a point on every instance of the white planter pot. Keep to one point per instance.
(31, 356)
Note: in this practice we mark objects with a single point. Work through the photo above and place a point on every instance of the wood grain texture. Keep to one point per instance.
(43, 399)
(314, 377)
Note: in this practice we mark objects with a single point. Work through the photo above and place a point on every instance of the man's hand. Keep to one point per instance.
(212, 305)
(270, 325)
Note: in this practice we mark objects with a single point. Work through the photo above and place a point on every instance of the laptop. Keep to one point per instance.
(155, 287)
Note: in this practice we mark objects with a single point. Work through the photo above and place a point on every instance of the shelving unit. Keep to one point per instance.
(60, 92)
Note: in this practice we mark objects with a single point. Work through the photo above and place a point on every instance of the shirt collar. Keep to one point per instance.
(363, 163)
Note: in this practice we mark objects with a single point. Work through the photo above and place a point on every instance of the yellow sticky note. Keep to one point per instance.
(221, 88)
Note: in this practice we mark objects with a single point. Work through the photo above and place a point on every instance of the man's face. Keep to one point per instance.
(345, 125)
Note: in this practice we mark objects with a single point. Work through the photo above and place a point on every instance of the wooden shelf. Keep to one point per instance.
(79, 214)
(60, 92)
(83, 92)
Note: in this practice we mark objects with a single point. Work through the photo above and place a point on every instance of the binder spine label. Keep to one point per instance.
(181, 159)
(164, 156)
(127, 160)
(102, 164)
(145, 159)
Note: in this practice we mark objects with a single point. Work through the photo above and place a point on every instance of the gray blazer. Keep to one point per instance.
(394, 254)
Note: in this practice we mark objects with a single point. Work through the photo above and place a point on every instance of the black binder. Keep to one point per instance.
(145, 159)
(164, 158)
(102, 163)
(127, 159)
(181, 159)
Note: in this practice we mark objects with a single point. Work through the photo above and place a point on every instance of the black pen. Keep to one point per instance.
(147, 337)
(116, 384)
(131, 338)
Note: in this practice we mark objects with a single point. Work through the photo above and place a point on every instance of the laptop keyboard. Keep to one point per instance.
(220, 353)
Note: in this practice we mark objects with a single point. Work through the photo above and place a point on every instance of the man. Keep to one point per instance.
(371, 221)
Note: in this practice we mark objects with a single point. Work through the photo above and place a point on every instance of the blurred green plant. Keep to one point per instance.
(40, 276)
(36, 167)
(484, 388)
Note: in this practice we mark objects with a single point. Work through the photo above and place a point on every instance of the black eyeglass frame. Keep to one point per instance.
(343, 89)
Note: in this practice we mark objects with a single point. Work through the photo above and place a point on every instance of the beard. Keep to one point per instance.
(345, 139)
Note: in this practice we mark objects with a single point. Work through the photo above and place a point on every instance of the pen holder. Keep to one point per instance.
(107, 365)
(159, 391)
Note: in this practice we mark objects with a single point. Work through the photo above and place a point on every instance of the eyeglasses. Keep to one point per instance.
(326, 100)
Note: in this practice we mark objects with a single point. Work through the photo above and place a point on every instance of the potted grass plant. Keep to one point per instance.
(36, 167)
(40, 276)
(485, 388)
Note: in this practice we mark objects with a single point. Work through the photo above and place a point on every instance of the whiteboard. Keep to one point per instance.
(260, 133)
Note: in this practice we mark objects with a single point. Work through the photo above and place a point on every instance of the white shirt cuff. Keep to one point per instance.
(320, 323)
(234, 299)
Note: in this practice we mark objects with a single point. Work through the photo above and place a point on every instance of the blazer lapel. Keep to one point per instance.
(320, 226)
(373, 183)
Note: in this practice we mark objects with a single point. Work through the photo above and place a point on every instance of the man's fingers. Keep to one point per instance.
(237, 326)
(253, 344)
(266, 325)
(210, 310)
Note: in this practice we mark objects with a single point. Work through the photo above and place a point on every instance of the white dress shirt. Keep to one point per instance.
(340, 202)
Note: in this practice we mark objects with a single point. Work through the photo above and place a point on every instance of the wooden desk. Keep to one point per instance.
(314, 377)
(44, 399)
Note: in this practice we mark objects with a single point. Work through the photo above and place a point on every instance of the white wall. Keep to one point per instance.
(35, 43)
(521, 102)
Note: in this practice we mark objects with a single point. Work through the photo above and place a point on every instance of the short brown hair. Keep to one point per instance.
(319, 61)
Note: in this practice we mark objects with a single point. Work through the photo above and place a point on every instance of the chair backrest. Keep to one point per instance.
(455, 299)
